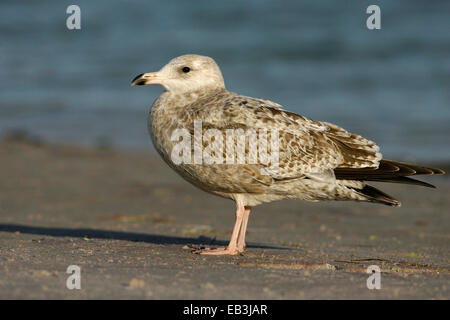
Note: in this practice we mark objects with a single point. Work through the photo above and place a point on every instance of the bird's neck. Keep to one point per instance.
(170, 99)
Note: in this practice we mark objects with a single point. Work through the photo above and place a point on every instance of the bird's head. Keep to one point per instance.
(185, 74)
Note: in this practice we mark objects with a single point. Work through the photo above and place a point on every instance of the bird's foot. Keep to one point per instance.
(218, 251)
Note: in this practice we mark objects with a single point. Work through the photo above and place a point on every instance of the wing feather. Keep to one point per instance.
(305, 146)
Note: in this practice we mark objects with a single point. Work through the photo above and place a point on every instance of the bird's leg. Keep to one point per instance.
(232, 247)
(241, 240)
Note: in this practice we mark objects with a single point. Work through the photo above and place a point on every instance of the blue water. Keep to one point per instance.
(317, 58)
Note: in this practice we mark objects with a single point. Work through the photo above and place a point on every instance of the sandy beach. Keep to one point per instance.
(130, 224)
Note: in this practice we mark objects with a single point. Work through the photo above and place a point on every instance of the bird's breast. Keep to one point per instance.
(166, 116)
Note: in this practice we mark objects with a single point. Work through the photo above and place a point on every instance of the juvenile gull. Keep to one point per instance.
(316, 160)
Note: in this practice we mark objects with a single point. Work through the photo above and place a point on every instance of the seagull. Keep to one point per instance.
(314, 160)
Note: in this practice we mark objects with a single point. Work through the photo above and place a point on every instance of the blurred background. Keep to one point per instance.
(317, 58)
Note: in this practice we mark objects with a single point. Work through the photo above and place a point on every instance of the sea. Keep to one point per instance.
(316, 58)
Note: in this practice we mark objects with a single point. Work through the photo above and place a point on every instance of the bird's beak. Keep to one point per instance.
(146, 78)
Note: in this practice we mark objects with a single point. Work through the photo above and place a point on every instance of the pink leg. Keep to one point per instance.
(241, 240)
(232, 247)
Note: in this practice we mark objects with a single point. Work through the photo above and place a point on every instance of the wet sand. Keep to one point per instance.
(129, 223)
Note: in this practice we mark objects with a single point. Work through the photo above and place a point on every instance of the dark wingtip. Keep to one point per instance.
(397, 204)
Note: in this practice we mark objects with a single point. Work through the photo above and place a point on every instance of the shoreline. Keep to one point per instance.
(129, 222)
(102, 143)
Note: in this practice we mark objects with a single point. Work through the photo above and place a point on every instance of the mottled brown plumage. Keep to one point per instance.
(316, 160)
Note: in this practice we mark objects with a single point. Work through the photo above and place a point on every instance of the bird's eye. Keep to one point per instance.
(186, 69)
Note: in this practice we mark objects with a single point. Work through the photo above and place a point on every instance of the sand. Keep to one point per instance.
(129, 223)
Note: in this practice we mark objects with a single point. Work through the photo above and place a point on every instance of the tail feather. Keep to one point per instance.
(375, 195)
(387, 171)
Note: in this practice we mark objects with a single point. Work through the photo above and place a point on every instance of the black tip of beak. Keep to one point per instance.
(137, 77)
(136, 81)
